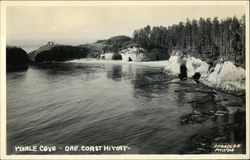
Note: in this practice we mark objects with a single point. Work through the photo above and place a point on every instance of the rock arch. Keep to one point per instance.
(130, 59)
(103, 57)
(117, 57)
(157, 57)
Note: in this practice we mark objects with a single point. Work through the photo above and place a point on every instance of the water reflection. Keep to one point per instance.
(50, 71)
(149, 83)
(114, 72)
(17, 75)
(236, 136)
(146, 81)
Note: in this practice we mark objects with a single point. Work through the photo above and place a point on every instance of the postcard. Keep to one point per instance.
(124, 80)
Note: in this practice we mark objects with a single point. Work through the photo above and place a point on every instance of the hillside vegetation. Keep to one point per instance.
(113, 44)
(208, 39)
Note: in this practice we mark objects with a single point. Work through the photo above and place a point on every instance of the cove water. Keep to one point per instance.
(106, 104)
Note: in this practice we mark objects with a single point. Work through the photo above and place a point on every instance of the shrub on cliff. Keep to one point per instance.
(116, 43)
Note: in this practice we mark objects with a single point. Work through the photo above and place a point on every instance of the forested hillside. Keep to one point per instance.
(208, 39)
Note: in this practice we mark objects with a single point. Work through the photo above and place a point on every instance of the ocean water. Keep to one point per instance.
(111, 104)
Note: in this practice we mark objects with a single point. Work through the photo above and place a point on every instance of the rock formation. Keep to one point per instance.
(223, 75)
(50, 53)
(135, 54)
(16, 59)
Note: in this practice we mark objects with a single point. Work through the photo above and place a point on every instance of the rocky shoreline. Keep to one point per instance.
(224, 76)
(221, 74)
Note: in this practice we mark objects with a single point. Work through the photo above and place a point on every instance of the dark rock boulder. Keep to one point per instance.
(117, 56)
(57, 53)
(183, 70)
(196, 76)
(16, 59)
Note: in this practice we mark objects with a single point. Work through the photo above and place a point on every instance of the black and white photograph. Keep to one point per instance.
(135, 78)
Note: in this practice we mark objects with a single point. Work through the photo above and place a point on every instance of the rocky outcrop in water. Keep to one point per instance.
(50, 53)
(16, 59)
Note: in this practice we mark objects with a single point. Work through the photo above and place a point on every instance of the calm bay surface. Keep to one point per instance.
(95, 104)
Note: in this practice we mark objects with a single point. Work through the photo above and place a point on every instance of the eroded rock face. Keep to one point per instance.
(16, 59)
(228, 76)
(224, 75)
(57, 53)
(135, 54)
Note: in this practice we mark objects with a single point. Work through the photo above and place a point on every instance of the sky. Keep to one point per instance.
(82, 24)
